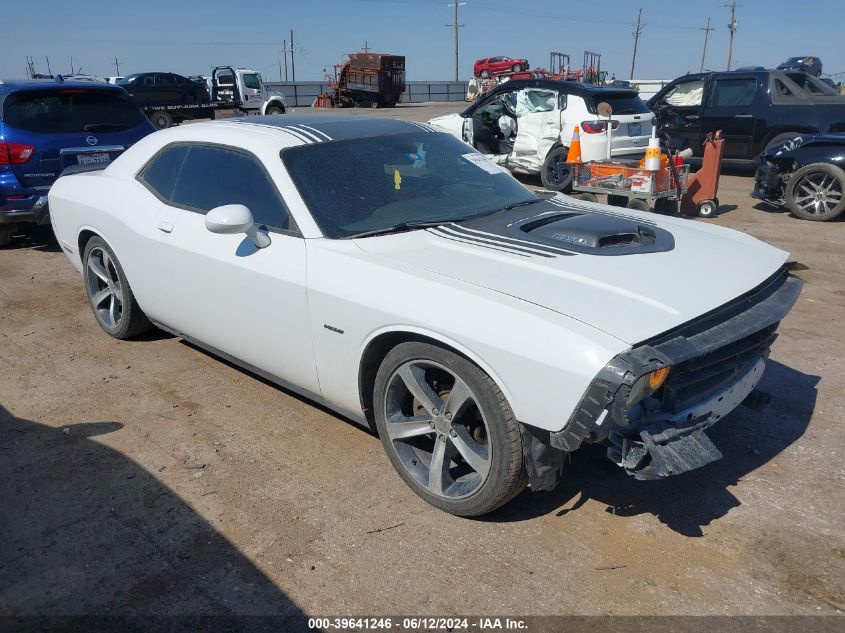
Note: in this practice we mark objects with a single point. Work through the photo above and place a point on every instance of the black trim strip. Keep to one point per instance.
(526, 243)
(495, 242)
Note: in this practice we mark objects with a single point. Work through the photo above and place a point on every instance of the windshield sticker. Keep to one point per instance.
(482, 162)
(397, 180)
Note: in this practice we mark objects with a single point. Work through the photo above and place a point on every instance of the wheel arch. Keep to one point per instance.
(379, 344)
(273, 101)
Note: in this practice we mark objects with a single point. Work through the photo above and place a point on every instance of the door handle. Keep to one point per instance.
(165, 227)
(744, 116)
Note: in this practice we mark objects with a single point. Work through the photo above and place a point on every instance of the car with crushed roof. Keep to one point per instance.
(389, 271)
(527, 126)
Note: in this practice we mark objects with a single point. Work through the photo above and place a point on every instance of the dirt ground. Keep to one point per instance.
(147, 477)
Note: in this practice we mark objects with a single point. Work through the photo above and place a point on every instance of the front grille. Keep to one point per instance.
(697, 379)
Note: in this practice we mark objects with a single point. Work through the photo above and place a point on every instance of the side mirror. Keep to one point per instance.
(235, 218)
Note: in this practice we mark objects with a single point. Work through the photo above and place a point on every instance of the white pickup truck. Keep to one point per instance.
(238, 89)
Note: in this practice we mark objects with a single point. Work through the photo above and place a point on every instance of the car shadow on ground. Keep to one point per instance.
(86, 530)
(688, 502)
(39, 238)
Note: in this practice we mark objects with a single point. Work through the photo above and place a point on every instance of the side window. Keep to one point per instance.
(164, 80)
(734, 92)
(149, 80)
(161, 172)
(533, 100)
(687, 93)
(213, 176)
(252, 82)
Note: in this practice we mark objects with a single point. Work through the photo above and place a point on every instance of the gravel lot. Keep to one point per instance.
(147, 477)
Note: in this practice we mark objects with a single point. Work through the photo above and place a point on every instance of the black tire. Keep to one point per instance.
(517, 68)
(617, 201)
(638, 205)
(5, 238)
(505, 478)
(586, 197)
(780, 138)
(484, 74)
(556, 173)
(707, 208)
(161, 119)
(132, 321)
(803, 182)
(274, 109)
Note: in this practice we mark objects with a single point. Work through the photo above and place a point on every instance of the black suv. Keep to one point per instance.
(163, 89)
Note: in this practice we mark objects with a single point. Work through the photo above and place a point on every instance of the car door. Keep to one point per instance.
(537, 126)
(167, 90)
(221, 290)
(678, 112)
(143, 89)
(732, 108)
(251, 90)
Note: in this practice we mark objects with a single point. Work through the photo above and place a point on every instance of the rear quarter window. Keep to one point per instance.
(621, 102)
(71, 111)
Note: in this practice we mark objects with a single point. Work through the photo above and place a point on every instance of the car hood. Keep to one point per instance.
(631, 275)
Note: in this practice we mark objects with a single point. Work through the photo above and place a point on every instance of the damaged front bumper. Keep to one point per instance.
(715, 364)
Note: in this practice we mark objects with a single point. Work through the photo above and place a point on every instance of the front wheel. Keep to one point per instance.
(707, 208)
(109, 293)
(447, 429)
(274, 109)
(815, 192)
(485, 74)
(517, 68)
(556, 173)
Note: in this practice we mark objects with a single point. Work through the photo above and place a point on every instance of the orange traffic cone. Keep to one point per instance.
(574, 155)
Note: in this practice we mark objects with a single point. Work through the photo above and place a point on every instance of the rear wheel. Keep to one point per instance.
(638, 205)
(815, 192)
(556, 173)
(517, 68)
(109, 293)
(161, 119)
(447, 429)
(5, 237)
(707, 208)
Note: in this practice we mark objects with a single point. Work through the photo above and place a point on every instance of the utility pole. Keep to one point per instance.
(116, 66)
(366, 48)
(292, 64)
(49, 72)
(637, 31)
(284, 52)
(456, 26)
(706, 30)
(732, 27)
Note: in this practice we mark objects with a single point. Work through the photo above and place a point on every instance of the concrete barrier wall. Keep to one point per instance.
(303, 93)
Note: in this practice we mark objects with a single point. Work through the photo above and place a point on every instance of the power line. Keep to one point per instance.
(456, 26)
(637, 31)
(732, 27)
(706, 30)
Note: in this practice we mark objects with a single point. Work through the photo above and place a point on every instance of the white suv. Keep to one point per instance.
(527, 126)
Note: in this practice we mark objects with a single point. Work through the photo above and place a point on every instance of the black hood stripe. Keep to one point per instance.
(575, 206)
(474, 243)
(513, 241)
(494, 239)
(499, 246)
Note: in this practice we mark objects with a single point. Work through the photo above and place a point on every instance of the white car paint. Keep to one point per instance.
(541, 329)
(539, 131)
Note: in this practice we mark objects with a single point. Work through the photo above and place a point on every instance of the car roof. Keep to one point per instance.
(570, 87)
(8, 86)
(320, 128)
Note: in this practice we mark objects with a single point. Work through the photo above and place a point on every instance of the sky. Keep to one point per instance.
(190, 37)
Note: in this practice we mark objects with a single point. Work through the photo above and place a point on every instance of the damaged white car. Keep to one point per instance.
(527, 126)
(395, 275)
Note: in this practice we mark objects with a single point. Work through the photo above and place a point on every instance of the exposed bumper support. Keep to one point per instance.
(671, 433)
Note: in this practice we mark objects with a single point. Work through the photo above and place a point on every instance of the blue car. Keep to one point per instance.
(49, 125)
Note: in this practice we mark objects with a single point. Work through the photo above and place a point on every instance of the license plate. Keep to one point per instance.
(635, 129)
(90, 159)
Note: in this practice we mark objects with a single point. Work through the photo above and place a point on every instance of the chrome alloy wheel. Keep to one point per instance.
(437, 429)
(104, 288)
(817, 193)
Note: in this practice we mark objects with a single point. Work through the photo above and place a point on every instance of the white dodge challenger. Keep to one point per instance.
(390, 272)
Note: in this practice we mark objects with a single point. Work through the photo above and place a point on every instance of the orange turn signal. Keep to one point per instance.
(657, 378)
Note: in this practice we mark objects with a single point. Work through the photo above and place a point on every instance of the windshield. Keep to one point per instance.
(811, 84)
(368, 184)
(622, 102)
(71, 111)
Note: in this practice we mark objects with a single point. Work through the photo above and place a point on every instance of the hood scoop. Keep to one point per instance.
(594, 233)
